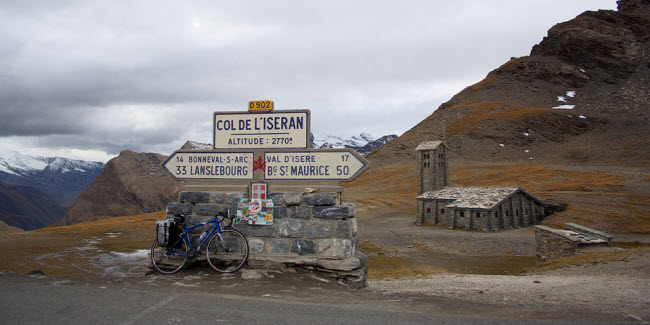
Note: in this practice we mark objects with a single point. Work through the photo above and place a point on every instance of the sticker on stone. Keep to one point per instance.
(255, 212)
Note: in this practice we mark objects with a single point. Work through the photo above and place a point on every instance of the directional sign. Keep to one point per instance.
(320, 164)
(210, 165)
(272, 130)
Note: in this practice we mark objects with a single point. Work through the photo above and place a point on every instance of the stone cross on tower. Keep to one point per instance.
(433, 166)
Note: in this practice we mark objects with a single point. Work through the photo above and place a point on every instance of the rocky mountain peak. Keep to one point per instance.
(129, 184)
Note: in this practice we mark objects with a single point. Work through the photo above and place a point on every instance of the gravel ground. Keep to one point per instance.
(618, 288)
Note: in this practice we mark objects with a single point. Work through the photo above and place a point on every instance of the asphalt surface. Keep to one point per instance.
(25, 300)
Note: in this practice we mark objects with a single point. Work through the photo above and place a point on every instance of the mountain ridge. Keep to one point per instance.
(62, 179)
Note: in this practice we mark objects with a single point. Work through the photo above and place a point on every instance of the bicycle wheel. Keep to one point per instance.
(228, 252)
(169, 260)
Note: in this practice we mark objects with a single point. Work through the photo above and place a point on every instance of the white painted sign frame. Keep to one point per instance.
(245, 130)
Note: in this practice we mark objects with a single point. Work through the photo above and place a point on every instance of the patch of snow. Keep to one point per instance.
(526, 134)
(531, 158)
(138, 254)
(571, 93)
(561, 99)
(16, 161)
(501, 144)
(526, 150)
(565, 107)
(582, 116)
(5, 168)
(583, 70)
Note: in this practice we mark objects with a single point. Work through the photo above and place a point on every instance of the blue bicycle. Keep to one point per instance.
(226, 250)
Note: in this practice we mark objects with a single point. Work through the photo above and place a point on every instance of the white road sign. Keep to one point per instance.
(271, 130)
(210, 165)
(314, 165)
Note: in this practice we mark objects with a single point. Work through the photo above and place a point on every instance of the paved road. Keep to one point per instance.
(37, 302)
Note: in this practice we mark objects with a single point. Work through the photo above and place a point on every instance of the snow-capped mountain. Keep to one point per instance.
(62, 179)
(34, 191)
(362, 143)
(15, 163)
(197, 145)
(333, 141)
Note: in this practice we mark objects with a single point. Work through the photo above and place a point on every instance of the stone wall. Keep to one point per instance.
(552, 244)
(310, 230)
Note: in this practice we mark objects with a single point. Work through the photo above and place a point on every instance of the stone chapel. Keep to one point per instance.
(481, 208)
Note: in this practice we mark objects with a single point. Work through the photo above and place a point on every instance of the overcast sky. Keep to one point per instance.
(87, 79)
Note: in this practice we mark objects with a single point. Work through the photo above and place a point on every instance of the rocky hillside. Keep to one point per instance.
(26, 207)
(131, 183)
(581, 96)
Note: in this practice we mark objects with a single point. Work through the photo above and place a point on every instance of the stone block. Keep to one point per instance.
(290, 228)
(256, 231)
(303, 247)
(217, 197)
(255, 246)
(335, 248)
(352, 208)
(194, 197)
(332, 212)
(301, 212)
(278, 246)
(346, 264)
(318, 228)
(319, 199)
(278, 198)
(176, 208)
(207, 209)
(233, 198)
(194, 220)
(346, 228)
(280, 212)
(292, 198)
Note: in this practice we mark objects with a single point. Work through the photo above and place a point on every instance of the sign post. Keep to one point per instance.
(262, 165)
(264, 145)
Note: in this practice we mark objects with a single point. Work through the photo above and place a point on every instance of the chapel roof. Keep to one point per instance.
(429, 145)
(473, 197)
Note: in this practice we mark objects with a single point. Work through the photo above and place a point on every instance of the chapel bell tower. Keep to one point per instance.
(433, 166)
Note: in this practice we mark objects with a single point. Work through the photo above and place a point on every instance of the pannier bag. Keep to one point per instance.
(163, 230)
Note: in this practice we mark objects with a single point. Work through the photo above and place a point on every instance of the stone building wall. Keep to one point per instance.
(312, 230)
(551, 244)
(517, 211)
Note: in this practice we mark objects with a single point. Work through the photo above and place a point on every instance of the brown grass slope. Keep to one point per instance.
(603, 56)
(129, 184)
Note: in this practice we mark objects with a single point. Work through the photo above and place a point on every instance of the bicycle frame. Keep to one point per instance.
(186, 233)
